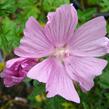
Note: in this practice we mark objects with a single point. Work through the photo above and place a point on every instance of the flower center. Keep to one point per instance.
(61, 53)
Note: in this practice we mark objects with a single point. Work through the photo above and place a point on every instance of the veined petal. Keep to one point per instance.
(10, 62)
(84, 70)
(90, 38)
(59, 83)
(61, 24)
(42, 70)
(95, 48)
(51, 72)
(34, 43)
(16, 69)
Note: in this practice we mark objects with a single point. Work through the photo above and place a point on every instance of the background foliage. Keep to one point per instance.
(30, 94)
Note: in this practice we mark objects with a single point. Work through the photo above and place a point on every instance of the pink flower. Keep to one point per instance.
(16, 70)
(72, 54)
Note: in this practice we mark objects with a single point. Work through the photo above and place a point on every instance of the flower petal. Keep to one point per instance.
(90, 38)
(41, 71)
(84, 70)
(34, 43)
(8, 82)
(10, 62)
(95, 48)
(61, 24)
(59, 83)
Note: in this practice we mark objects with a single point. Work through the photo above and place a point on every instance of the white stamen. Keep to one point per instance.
(61, 53)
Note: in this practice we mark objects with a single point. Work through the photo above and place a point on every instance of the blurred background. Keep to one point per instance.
(31, 94)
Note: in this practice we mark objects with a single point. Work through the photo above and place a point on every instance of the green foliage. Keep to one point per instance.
(28, 8)
(93, 2)
(104, 78)
(104, 5)
(9, 35)
(38, 89)
(7, 7)
(38, 98)
(86, 15)
(50, 5)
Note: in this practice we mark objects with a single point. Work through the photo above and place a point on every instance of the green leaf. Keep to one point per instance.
(9, 36)
(86, 15)
(51, 103)
(93, 2)
(28, 8)
(104, 5)
(50, 5)
(104, 78)
(7, 6)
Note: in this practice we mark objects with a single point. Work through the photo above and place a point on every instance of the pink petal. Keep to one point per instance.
(8, 82)
(61, 24)
(95, 48)
(59, 83)
(41, 71)
(34, 43)
(9, 63)
(84, 70)
(90, 38)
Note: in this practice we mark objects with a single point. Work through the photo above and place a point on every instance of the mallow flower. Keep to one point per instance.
(70, 55)
(16, 70)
